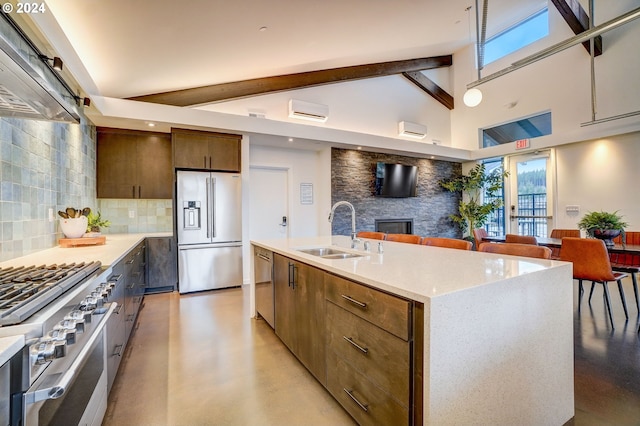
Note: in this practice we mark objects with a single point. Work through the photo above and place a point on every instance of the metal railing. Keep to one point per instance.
(531, 220)
(532, 215)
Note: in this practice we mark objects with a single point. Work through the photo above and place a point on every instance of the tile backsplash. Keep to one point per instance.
(136, 215)
(44, 166)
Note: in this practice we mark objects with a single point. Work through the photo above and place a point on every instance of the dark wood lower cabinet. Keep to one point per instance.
(364, 345)
(128, 280)
(163, 265)
(299, 319)
(367, 403)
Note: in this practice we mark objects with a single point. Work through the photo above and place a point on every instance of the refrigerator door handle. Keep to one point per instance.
(213, 207)
(207, 201)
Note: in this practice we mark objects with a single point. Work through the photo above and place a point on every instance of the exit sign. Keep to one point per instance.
(522, 143)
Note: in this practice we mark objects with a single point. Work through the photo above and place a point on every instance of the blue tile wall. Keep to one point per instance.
(43, 165)
(148, 215)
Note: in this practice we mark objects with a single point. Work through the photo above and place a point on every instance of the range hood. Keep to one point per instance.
(29, 88)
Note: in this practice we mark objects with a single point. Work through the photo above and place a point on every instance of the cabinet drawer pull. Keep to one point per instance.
(118, 309)
(292, 275)
(360, 348)
(354, 301)
(118, 350)
(360, 404)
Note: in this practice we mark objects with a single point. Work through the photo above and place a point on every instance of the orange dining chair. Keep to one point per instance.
(517, 249)
(591, 262)
(521, 239)
(478, 235)
(372, 235)
(447, 243)
(561, 233)
(404, 238)
(628, 262)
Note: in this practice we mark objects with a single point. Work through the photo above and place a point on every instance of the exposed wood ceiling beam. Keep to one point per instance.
(426, 84)
(578, 21)
(259, 86)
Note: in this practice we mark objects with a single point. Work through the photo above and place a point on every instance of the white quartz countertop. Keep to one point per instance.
(413, 271)
(116, 246)
(9, 346)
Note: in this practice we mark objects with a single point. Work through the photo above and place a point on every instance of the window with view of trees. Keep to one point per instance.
(495, 224)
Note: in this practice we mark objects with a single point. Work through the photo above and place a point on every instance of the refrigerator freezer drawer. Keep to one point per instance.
(208, 268)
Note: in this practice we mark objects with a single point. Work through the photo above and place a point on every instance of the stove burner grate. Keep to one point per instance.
(25, 290)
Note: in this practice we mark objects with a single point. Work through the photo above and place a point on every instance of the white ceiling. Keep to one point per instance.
(126, 48)
(137, 47)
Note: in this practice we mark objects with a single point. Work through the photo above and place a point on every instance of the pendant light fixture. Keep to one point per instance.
(473, 97)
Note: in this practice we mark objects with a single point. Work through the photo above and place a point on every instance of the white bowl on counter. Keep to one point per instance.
(74, 228)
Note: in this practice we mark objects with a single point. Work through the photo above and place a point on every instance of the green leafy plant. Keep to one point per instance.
(95, 222)
(603, 221)
(472, 211)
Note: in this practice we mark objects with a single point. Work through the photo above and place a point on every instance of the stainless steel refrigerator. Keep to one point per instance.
(208, 209)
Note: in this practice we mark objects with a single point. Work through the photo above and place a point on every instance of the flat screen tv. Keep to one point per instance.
(396, 180)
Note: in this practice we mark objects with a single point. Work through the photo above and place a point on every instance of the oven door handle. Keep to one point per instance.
(49, 390)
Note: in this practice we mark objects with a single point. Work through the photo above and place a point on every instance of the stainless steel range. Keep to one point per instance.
(62, 310)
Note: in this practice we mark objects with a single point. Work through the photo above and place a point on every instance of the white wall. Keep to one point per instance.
(371, 106)
(307, 167)
(560, 84)
(597, 175)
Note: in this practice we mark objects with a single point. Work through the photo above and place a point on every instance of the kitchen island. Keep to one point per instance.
(495, 337)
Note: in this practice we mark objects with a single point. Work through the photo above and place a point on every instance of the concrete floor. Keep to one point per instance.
(200, 360)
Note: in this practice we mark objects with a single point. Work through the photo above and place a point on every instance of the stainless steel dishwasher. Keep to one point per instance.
(263, 267)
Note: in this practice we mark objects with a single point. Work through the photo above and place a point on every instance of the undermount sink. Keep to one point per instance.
(329, 253)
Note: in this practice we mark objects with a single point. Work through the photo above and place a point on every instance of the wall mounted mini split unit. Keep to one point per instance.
(411, 130)
(308, 111)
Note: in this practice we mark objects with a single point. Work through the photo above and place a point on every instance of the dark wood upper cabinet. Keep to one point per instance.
(133, 164)
(193, 149)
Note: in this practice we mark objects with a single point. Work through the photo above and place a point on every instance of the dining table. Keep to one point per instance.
(557, 242)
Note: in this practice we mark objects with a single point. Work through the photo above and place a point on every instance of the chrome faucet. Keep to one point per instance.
(354, 240)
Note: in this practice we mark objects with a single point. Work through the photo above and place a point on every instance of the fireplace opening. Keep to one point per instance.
(394, 226)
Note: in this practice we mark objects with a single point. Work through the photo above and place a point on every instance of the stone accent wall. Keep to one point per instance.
(353, 178)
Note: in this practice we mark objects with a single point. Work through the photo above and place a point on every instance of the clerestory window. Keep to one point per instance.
(516, 37)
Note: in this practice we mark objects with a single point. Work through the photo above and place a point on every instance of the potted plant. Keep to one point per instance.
(95, 222)
(604, 225)
(473, 212)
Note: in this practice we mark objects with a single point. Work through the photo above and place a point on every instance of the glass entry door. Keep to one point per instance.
(529, 200)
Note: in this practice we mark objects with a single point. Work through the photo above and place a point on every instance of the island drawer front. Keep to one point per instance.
(382, 409)
(387, 358)
(384, 310)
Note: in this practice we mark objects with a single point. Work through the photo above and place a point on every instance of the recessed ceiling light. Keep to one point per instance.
(262, 29)
(290, 139)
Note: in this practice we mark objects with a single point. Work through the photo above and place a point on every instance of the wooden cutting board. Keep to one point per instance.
(79, 242)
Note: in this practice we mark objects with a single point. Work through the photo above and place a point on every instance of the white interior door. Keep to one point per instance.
(269, 200)
(530, 199)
